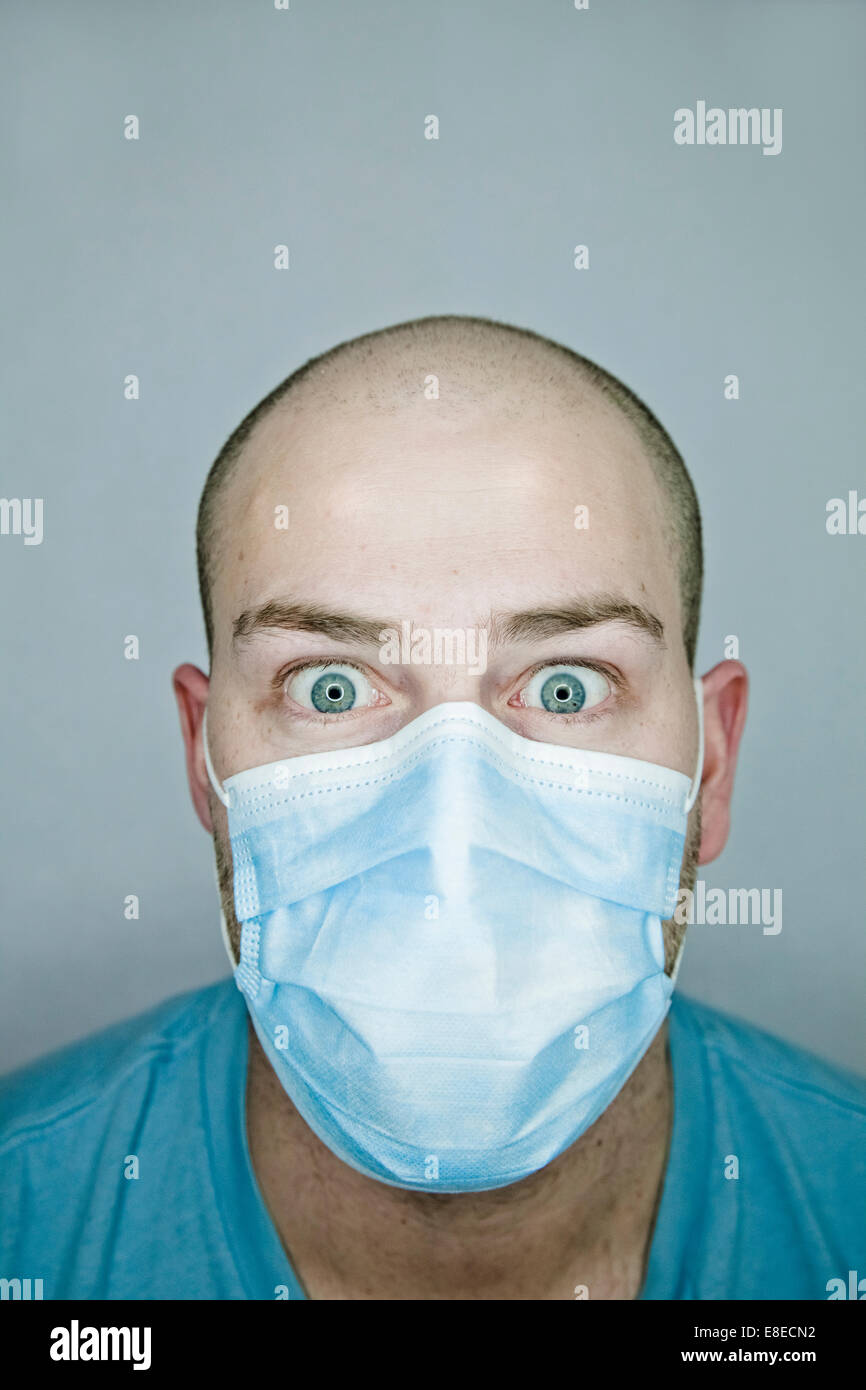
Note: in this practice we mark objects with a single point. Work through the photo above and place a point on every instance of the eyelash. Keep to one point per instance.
(582, 717)
(310, 716)
(601, 667)
(282, 676)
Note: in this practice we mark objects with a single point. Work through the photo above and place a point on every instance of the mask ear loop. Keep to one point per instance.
(214, 781)
(696, 781)
(675, 968)
(224, 798)
(690, 801)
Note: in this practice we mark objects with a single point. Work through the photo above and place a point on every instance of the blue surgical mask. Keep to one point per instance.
(451, 945)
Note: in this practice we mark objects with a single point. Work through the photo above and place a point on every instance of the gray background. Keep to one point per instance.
(260, 127)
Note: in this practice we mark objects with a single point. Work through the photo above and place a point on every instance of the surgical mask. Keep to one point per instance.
(451, 944)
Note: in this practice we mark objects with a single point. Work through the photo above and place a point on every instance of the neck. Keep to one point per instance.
(584, 1222)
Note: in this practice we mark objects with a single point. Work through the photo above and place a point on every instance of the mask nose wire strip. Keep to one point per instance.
(696, 784)
(214, 781)
(692, 797)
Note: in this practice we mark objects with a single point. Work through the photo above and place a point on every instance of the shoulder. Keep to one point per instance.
(66, 1088)
(762, 1063)
(762, 1197)
(804, 1117)
(775, 1144)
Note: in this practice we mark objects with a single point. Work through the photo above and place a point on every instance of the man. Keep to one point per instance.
(454, 570)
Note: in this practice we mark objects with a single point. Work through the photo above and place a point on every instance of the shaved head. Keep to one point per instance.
(464, 369)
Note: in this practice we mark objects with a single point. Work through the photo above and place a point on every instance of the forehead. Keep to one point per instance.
(441, 514)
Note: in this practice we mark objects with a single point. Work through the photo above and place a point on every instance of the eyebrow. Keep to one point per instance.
(575, 616)
(581, 613)
(307, 617)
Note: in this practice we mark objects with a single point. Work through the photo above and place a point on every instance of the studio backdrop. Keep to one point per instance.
(200, 196)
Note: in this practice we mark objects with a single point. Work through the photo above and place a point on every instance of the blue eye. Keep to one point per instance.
(332, 692)
(330, 689)
(565, 689)
(563, 693)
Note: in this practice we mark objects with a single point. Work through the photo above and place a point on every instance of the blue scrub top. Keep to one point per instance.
(163, 1095)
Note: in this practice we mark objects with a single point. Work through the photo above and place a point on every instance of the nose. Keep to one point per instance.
(449, 664)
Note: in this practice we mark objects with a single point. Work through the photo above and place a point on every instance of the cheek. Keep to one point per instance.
(674, 931)
(225, 877)
(225, 869)
(689, 870)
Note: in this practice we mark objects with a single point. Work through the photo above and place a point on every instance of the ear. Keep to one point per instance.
(726, 690)
(190, 690)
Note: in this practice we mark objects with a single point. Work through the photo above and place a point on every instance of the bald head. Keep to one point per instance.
(476, 379)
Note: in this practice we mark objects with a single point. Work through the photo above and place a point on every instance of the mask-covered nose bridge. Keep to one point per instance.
(454, 782)
(454, 785)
